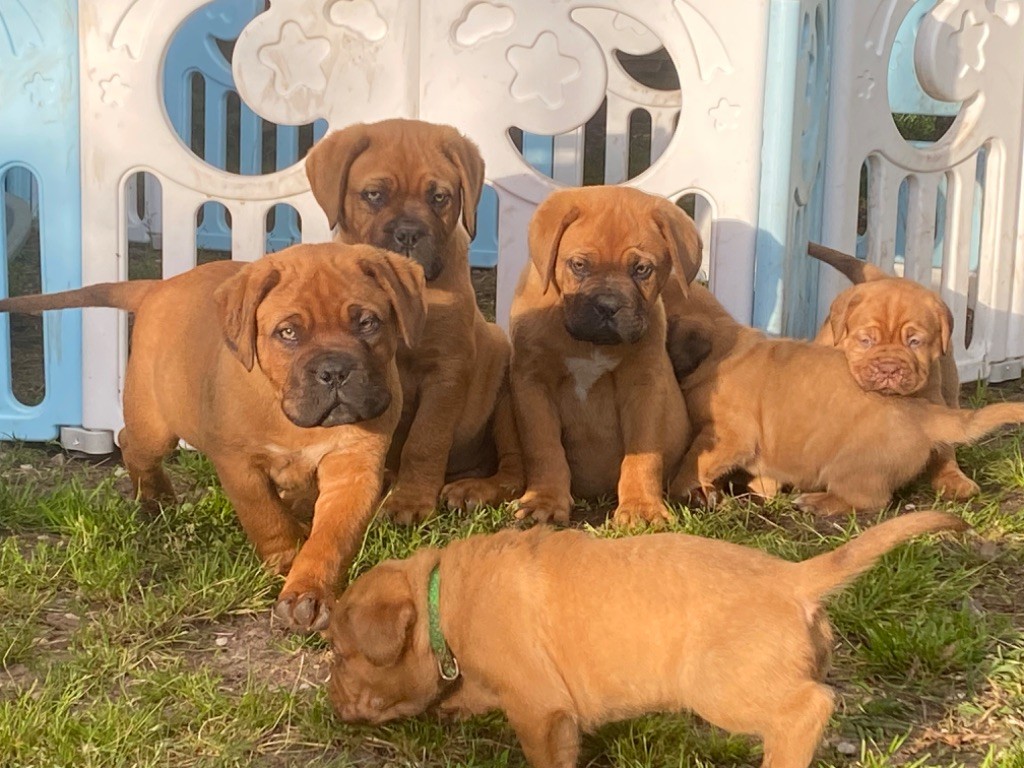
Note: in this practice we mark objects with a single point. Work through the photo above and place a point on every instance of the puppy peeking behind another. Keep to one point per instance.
(897, 338)
(513, 622)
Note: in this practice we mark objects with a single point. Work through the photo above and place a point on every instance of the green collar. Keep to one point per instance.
(447, 665)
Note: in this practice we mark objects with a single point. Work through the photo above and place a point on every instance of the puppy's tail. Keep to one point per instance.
(833, 570)
(127, 295)
(856, 271)
(953, 427)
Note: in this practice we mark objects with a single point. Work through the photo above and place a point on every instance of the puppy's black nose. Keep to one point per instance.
(407, 235)
(332, 370)
(606, 304)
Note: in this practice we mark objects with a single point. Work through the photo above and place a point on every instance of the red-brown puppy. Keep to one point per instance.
(598, 407)
(789, 413)
(413, 188)
(283, 373)
(515, 623)
(896, 335)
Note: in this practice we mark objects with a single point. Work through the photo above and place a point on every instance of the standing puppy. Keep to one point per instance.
(413, 187)
(896, 335)
(595, 396)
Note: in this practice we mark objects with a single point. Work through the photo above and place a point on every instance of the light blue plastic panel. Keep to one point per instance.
(195, 52)
(39, 115)
(905, 92)
(792, 166)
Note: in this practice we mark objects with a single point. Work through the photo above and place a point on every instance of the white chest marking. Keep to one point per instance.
(585, 371)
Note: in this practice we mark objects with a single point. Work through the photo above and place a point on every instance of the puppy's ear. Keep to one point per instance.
(327, 166)
(466, 158)
(945, 317)
(402, 280)
(380, 623)
(689, 342)
(237, 300)
(839, 312)
(547, 227)
(684, 243)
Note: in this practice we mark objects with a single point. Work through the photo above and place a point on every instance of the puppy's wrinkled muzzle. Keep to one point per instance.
(887, 375)
(335, 388)
(604, 318)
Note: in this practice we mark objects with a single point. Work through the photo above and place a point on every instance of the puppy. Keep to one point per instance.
(790, 412)
(594, 393)
(282, 371)
(413, 188)
(895, 334)
(513, 622)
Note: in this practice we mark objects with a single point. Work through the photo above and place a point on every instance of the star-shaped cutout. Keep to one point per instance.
(295, 60)
(726, 116)
(115, 90)
(970, 43)
(42, 91)
(541, 71)
(865, 85)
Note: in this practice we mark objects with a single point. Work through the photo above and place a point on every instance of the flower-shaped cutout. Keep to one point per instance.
(970, 43)
(865, 85)
(296, 60)
(359, 16)
(42, 91)
(726, 116)
(542, 71)
(483, 21)
(115, 91)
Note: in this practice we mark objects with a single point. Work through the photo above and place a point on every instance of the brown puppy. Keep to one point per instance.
(789, 412)
(593, 386)
(896, 334)
(680, 622)
(413, 188)
(283, 373)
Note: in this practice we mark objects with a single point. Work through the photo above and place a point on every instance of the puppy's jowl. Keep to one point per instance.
(599, 409)
(283, 373)
(413, 188)
(513, 622)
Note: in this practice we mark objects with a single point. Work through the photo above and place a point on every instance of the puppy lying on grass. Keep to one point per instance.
(790, 413)
(565, 632)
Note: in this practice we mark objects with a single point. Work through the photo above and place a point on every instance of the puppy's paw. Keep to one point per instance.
(953, 485)
(543, 507)
(637, 513)
(822, 504)
(473, 492)
(307, 611)
(409, 507)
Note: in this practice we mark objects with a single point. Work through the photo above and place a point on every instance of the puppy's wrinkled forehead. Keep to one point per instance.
(608, 232)
(890, 307)
(322, 294)
(411, 162)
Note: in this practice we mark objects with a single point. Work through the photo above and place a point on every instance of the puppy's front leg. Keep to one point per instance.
(550, 739)
(350, 483)
(642, 474)
(424, 460)
(548, 479)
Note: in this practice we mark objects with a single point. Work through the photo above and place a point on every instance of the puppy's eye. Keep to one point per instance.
(643, 270)
(913, 342)
(866, 342)
(578, 267)
(373, 196)
(287, 334)
(368, 323)
(440, 198)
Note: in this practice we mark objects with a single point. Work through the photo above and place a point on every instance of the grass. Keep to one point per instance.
(130, 640)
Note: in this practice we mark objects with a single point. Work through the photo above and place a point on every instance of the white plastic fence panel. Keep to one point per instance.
(969, 52)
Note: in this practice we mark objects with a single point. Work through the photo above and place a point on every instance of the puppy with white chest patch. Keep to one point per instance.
(592, 384)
